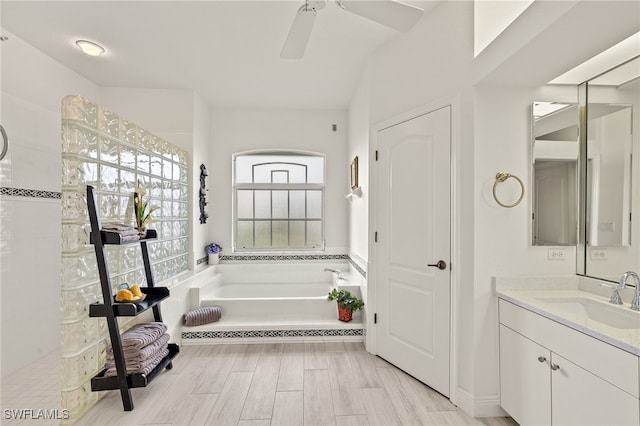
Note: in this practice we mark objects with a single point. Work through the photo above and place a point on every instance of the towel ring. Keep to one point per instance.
(501, 177)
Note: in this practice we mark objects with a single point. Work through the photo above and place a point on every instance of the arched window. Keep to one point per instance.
(278, 201)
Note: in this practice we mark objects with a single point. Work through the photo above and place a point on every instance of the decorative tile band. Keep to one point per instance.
(202, 260)
(287, 257)
(269, 257)
(34, 193)
(358, 268)
(244, 334)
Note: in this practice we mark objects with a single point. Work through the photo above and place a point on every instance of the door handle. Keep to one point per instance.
(440, 265)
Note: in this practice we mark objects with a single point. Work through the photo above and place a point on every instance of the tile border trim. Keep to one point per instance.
(33, 193)
(272, 257)
(286, 257)
(244, 334)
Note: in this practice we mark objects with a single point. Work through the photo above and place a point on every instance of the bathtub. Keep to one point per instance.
(273, 293)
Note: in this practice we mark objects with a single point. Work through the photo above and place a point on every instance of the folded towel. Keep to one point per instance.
(202, 316)
(133, 237)
(145, 367)
(141, 335)
(132, 355)
(117, 227)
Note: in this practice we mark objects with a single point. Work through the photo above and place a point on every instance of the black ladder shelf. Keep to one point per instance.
(111, 309)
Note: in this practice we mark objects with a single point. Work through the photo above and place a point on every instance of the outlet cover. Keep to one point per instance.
(598, 254)
(556, 254)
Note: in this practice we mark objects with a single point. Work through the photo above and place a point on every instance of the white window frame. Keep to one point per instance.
(278, 187)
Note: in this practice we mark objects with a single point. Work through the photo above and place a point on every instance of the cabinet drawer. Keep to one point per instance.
(612, 364)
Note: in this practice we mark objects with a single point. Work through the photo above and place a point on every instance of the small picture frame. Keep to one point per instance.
(354, 173)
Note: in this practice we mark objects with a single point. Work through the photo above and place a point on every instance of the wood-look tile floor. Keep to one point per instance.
(282, 384)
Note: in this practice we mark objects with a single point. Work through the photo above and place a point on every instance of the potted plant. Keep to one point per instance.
(347, 303)
(213, 251)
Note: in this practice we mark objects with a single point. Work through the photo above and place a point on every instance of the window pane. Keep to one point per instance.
(280, 215)
(280, 204)
(297, 209)
(263, 233)
(263, 204)
(245, 204)
(314, 204)
(245, 235)
(243, 168)
(302, 168)
(280, 176)
(298, 174)
(280, 234)
(314, 234)
(316, 169)
(262, 173)
(296, 236)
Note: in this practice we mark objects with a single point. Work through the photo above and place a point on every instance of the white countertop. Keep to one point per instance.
(540, 297)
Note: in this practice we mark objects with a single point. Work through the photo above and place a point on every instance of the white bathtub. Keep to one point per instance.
(277, 290)
(273, 293)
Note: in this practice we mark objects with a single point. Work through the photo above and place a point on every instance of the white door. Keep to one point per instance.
(413, 232)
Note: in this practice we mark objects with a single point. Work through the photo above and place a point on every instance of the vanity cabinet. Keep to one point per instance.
(591, 383)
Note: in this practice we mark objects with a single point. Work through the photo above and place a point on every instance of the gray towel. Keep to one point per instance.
(202, 316)
(132, 356)
(144, 367)
(141, 335)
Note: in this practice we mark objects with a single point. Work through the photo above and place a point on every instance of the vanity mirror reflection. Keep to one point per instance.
(554, 156)
(609, 136)
(586, 180)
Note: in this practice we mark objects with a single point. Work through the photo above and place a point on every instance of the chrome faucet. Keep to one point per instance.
(334, 271)
(635, 301)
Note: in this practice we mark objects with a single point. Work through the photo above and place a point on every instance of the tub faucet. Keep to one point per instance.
(635, 301)
(334, 271)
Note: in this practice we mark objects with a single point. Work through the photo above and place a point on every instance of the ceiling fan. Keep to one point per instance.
(393, 14)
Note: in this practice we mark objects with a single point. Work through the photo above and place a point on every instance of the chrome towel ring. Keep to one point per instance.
(501, 177)
(5, 143)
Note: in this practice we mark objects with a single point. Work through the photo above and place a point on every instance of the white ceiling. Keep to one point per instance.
(226, 51)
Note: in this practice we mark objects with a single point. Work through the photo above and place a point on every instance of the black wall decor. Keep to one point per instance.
(203, 194)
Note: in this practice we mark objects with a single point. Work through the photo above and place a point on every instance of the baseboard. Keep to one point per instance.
(478, 406)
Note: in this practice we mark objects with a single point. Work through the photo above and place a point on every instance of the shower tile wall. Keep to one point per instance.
(29, 232)
(112, 154)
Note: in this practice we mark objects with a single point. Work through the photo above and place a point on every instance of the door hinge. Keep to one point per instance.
(375, 318)
(376, 155)
(375, 237)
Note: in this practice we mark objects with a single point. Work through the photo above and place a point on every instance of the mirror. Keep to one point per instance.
(611, 184)
(554, 156)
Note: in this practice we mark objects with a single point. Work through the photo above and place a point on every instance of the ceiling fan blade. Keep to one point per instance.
(399, 16)
(296, 42)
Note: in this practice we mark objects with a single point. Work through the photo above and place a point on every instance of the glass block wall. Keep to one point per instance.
(102, 149)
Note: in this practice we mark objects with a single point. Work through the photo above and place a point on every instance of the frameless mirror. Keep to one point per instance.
(611, 183)
(555, 148)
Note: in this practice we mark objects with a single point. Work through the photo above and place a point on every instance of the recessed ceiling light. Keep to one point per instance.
(90, 48)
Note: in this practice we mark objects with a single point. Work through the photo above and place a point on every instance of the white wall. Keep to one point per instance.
(33, 86)
(167, 113)
(359, 145)
(238, 130)
(201, 233)
(503, 236)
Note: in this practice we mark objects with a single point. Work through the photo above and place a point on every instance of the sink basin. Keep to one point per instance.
(604, 313)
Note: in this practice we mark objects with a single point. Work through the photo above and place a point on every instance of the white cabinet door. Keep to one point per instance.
(525, 379)
(582, 398)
